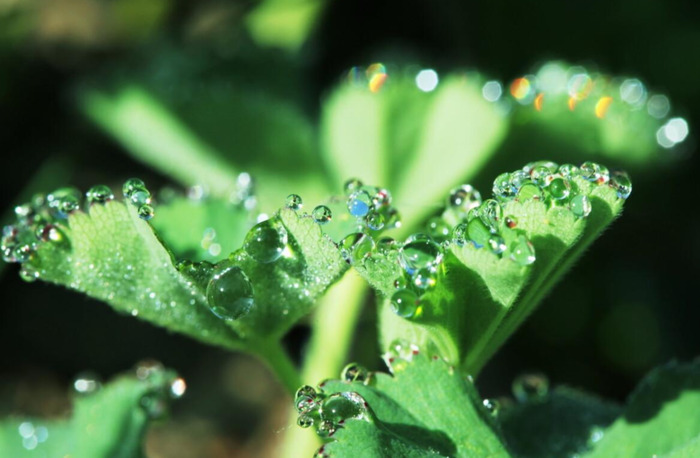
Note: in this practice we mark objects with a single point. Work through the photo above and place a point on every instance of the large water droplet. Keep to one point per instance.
(322, 214)
(305, 421)
(405, 303)
(343, 406)
(294, 202)
(99, 194)
(621, 183)
(502, 187)
(419, 251)
(438, 229)
(491, 213)
(478, 232)
(375, 220)
(131, 186)
(353, 372)
(359, 203)
(266, 241)
(356, 247)
(580, 206)
(558, 187)
(230, 293)
(463, 199)
(460, 235)
(522, 251)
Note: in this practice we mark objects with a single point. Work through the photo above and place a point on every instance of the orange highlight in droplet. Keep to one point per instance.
(520, 88)
(538, 102)
(377, 81)
(572, 103)
(601, 107)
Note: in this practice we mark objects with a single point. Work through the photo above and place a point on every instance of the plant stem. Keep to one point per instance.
(277, 359)
(333, 327)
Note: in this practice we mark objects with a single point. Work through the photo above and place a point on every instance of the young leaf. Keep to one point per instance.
(425, 409)
(109, 422)
(112, 254)
(381, 128)
(563, 423)
(661, 416)
(503, 257)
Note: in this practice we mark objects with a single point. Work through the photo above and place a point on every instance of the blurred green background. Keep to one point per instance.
(627, 306)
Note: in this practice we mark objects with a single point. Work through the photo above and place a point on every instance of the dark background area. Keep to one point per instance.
(628, 305)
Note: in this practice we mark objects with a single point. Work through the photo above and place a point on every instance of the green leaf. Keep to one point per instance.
(109, 422)
(111, 254)
(661, 416)
(425, 409)
(396, 135)
(283, 23)
(208, 139)
(563, 423)
(481, 297)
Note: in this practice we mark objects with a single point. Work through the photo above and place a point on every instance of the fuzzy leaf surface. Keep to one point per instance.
(425, 409)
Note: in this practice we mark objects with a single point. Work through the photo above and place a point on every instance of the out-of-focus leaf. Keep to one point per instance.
(110, 422)
(284, 23)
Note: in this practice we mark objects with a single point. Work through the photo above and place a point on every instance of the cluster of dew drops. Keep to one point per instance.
(162, 386)
(483, 224)
(44, 219)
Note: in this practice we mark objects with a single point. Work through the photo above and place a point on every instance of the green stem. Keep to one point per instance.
(277, 359)
(333, 327)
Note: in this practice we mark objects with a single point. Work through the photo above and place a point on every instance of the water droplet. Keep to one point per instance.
(478, 233)
(559, 187)
(405, 303)
(398, 356)
(359, 203)
(322, 214)
(491, 213)
(305, 421)
(540, 174)
(438, 229)
(266, 241)
(427, 80)
(528, 387)
(621, 183)
(343, 406)
(580, 206)
(353, 372)
(153, 403)
(375, 221)
(511, 222)
(592, 172)
(424, 278)
(386, 245)
(463, 199)
(568, 170)
(401, 282)
(99, 194)
(132, 185)
(305, 390)
(502, 187)
(178, 388)
(325, 429)
(294, 202)
(230, 294)
(658, 106)
(352, 185)
(149, 369)
(381, 198)
(522, 251)
(529, 191)
(86, 383)
(146, 212)
(419, 251)
(64, 201)
(459, 234)
(492, 406)
(28, 273)
(497, 244)
(356, 247)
